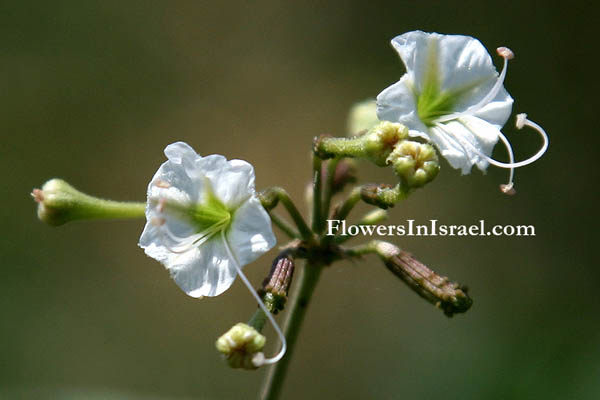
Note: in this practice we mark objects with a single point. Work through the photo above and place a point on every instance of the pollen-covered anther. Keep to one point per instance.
(505, 52)
(520, 122)
(508, 188)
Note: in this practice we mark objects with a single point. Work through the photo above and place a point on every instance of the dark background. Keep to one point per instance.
(92, 92)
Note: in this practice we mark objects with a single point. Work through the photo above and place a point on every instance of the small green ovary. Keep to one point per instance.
(433, 102)
(210, 215)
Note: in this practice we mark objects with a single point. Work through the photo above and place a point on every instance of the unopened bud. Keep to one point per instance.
(276, 285)
(380, 140)
(59, 202)
(242, 346)
(375, 145)
(382, 195)
(450, 297)
(415, 163)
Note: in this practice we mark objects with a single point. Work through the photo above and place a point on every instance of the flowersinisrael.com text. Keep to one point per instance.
(337, 227)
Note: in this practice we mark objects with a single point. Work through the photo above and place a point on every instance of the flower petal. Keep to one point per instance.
(205, 270)
(498, 110)
(250, 234)
(466, 142)
(232, 181)
(461, 64)
(179, 151)
(397, 103)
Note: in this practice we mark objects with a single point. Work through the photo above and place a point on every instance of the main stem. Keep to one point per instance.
(273, 381)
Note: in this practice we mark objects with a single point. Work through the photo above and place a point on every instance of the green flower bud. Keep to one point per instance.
(415, 163)
(380, 140)
(362, 116)
(383, 195)
(242, 346)
(375, 145)
(59, 202)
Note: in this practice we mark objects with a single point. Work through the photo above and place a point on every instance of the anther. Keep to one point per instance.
(521, 119)
(508, 189)
(505, 52)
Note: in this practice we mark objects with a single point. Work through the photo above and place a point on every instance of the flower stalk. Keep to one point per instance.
(59, 203)
(269, 199)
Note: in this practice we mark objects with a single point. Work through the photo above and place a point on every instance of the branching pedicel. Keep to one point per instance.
(205, 221)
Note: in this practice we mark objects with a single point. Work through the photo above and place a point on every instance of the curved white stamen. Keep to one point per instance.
(520, 123)
(506, 188)
(506, 54)
(258, 360)
(523, 121)
(513, 164)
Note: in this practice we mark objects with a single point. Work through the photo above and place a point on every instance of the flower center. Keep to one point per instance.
(433, 102)
(209, 215)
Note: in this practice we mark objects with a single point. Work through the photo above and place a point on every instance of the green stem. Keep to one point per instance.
(273, 381)
(331, 167)
(349, 203)
(258, 320)
(269, 199)
(108, 209)
(284, 226)
(327, 147)
(317, 189)
(373, 217)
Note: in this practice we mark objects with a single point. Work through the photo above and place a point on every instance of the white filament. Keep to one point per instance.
(521, 122)
(260, 360)
(491, 95)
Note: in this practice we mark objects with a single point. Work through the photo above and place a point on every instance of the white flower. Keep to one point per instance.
(452, 95)
(201, 213)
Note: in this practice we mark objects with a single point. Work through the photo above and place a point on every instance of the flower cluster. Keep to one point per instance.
(204, 220)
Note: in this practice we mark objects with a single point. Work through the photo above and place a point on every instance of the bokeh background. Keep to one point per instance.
(92, 92)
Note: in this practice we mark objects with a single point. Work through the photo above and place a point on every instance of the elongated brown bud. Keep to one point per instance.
(451, 297)
(275, 287)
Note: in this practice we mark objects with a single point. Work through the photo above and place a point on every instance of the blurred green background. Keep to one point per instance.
(92, 91)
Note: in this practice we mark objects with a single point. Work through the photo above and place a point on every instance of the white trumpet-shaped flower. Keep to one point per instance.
(199, 209)
(204, 223)
(453, 96)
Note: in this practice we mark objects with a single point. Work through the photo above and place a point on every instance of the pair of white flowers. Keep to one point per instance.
(204, 221)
